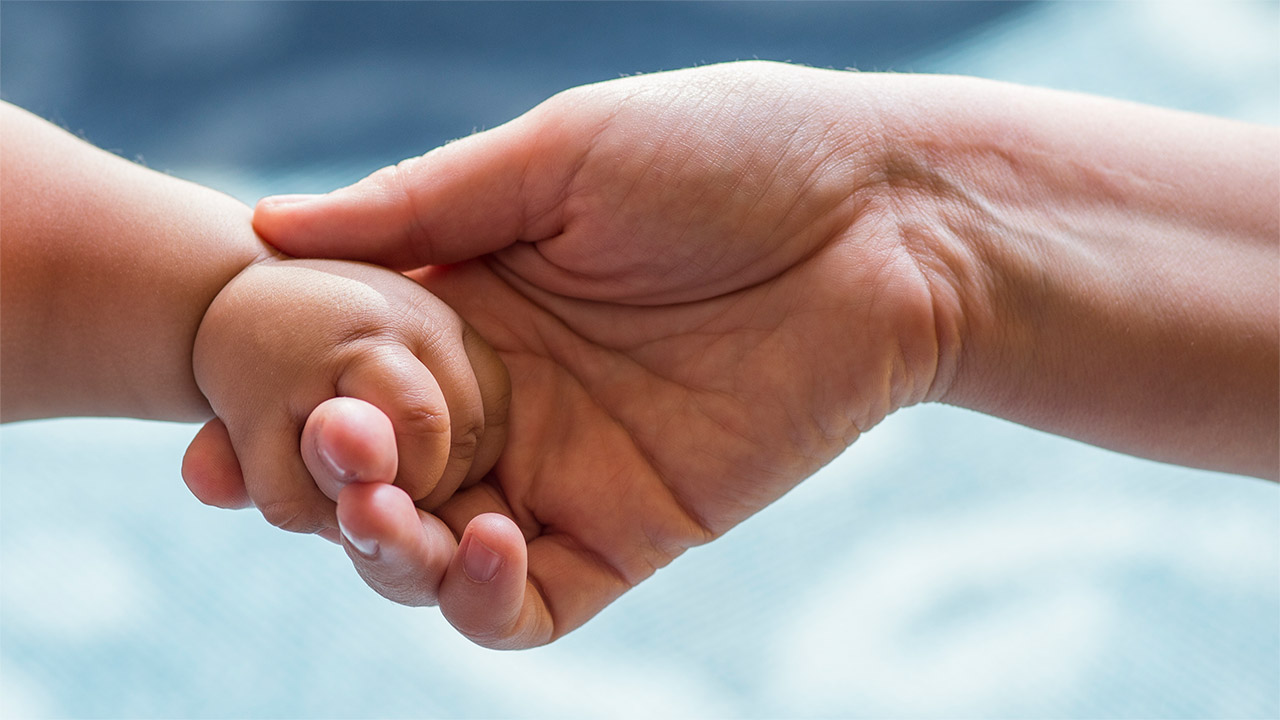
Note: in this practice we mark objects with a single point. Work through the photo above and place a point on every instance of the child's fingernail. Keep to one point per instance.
(479, 562)
(339, 472)
(289, 199)
(365, 546)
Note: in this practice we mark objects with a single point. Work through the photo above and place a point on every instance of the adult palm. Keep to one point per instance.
(702, 291)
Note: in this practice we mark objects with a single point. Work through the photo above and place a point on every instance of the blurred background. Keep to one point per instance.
(948, 565)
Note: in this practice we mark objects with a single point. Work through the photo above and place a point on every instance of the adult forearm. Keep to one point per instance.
(107, 270)
(1114, 269)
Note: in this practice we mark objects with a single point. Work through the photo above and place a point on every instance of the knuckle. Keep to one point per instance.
(420, 421)
(401, 181)
(565, 99)
(465, 442)
(387, 179)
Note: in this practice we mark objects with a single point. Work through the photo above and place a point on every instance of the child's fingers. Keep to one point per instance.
(447, 398)
(276, 478)
(399, 550)
(495, 398)
(348, 440)
(211, 471)
(477, 389)
(475, 386)
(394, 381)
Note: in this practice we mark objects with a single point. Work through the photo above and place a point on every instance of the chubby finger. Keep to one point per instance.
(347, 440)
(395, 382)
(211, 471)
(494, 383)
(277, 480)
(476, 389)
(465, 199)
(400, 551)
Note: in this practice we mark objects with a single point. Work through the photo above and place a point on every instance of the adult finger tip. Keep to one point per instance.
(345, 441)
(498, 532)
(493, 548)
(373, 516)
(274, 202)
(359, 438)
(484, 592)
(401, 553)
(275, 215)
(306, 225)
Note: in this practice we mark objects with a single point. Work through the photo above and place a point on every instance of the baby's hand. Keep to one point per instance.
(286, 335)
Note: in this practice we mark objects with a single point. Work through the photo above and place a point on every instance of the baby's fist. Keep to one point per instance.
(284, 336)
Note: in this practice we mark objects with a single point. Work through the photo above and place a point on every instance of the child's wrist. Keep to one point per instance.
(263, 254)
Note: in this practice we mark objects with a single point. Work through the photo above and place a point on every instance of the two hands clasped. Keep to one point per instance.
(518, 374)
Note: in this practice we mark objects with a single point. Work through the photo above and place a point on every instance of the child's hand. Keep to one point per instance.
(286, 335)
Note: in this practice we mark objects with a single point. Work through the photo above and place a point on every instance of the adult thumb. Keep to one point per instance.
(459, 201)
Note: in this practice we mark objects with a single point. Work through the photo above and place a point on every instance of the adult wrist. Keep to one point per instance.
(939, 209)
(1112, 274)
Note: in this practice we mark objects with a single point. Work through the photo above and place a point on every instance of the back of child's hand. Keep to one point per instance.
(286, 335)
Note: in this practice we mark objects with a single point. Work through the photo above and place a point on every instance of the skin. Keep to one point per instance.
(126, 292)
(707, 283)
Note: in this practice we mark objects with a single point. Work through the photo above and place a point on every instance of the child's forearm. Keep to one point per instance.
(107, 270)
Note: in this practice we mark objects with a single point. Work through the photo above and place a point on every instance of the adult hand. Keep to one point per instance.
(705, 284)
(698, 290)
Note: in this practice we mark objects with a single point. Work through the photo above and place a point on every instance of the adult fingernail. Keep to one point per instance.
(365, 546)
(334, 466)
(479, 562)
(294, 199)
